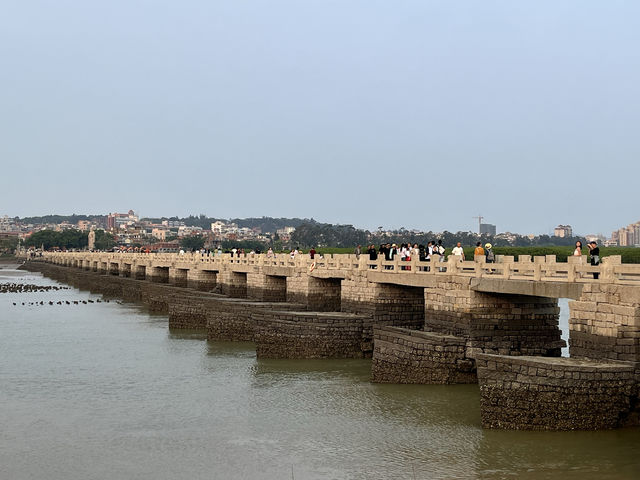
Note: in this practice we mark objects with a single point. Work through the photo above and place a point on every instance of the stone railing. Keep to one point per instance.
(543, 268)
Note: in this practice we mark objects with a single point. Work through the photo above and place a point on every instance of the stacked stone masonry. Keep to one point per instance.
(605, 323)
(409, 356)
(282, 334)
(535, 393)
(503, 324)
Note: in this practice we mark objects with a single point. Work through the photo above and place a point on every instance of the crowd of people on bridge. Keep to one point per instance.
(434, 250)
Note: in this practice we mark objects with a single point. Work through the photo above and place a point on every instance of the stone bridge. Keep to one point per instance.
(422, 322)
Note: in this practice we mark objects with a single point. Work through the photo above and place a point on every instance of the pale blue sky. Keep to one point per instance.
(412, 113)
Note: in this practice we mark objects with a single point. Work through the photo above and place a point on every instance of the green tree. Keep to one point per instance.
(104, 240)
(8, 245)
(65, 239)
(192, 243)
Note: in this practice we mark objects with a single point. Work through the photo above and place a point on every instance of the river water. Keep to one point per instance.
(106, 391)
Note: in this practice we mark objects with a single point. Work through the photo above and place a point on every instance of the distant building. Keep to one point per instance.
(116, 221)
(159, 233)
(84, 225)
(5, 224)
(487, 229)
(285, 233)
(628, 236)
(172, 223)
(595, 237)
(563, 231)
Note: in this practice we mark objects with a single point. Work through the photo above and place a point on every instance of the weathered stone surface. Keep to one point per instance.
(493, 322)
(233, 319)
(401, 355)
(233, 284)
(535, 393)
(605, 323)
(281, 334)
(266, 288)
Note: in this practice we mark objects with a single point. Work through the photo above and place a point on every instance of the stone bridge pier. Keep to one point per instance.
(178, 276)
(499, 323)
(604, 324)
(158, 274)
(267, 288)
(233, 284)
(202, 280)
(114, 268)
(318, 293)
(461, 323)
(138, 271)
(125, 270)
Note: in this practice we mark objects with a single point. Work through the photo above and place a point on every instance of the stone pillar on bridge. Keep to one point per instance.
(233, 284)
(178, 276)
(158, 274)
(266, 288)
(202, 280)
(505, 324)
(104, 268)
(114, 268)
(125, 269)
(604, 324)
(319, 294)
(383, 304)
(138, 271)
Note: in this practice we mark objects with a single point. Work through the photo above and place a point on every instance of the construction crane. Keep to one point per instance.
(480, 218)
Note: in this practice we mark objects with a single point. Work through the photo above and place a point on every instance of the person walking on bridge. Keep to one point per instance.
(491, 258)
(478, 252)
(458, 250)
(594, 251)
(578, 251)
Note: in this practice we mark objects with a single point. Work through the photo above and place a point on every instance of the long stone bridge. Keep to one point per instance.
(421, 322)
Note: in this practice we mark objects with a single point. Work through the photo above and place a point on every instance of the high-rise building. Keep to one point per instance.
(563, 231)
(487, 229)
(628, 236)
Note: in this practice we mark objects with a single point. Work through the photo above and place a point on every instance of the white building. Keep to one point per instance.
(563, 231)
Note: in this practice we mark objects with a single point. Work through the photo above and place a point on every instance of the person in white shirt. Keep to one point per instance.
(457, 250)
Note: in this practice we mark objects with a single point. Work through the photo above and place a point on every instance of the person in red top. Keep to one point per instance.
(312, 253)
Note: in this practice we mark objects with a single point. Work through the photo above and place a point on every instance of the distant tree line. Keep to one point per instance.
(8, 245)
(329, 235)
(73, 219)
(69, 239)
(325, 234)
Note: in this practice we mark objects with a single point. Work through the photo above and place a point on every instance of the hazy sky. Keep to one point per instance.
(420, 114)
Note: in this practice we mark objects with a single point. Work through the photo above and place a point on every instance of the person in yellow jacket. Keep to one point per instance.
(479, 251)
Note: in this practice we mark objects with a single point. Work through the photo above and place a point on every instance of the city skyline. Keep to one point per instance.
(133, 217)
